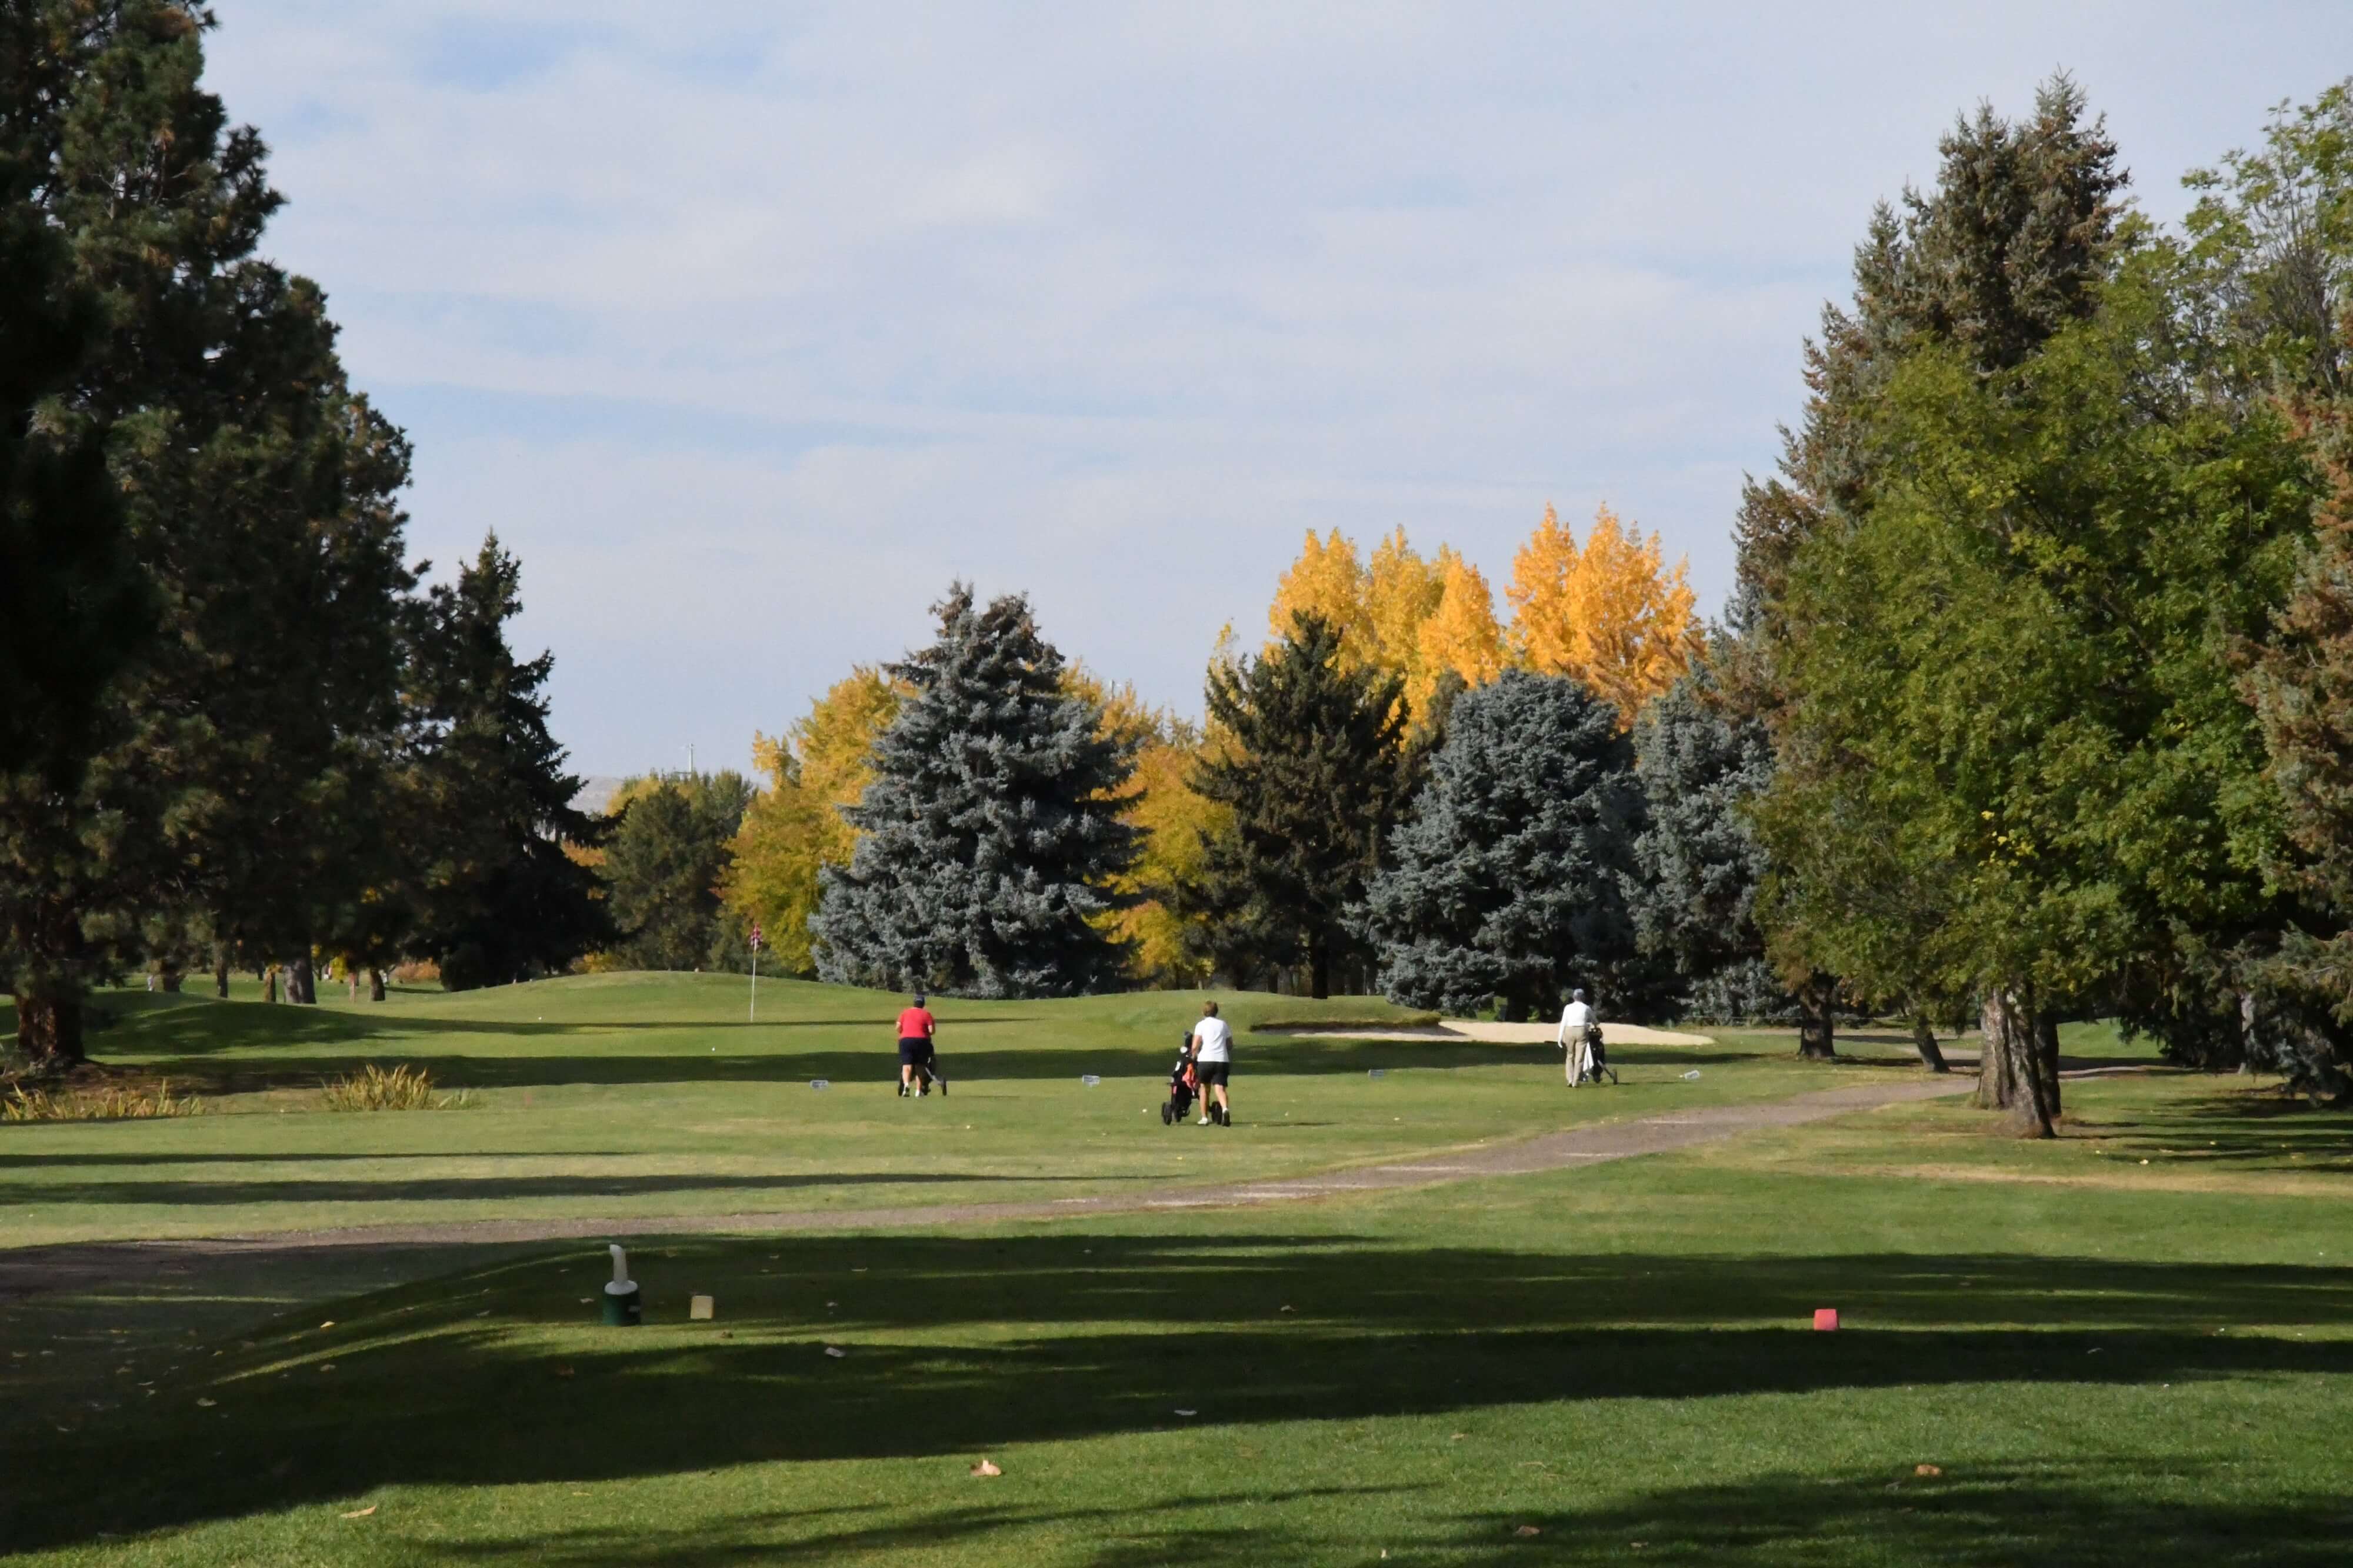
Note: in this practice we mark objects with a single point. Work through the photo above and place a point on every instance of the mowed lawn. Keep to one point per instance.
(2132, 1345)
(639, 1095)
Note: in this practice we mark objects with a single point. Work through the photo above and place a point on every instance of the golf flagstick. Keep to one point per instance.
(753, 1016)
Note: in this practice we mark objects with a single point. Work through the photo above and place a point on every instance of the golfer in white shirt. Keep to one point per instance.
(1575, 1019)
(1212, 1061)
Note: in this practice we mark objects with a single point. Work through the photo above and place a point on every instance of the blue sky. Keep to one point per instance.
(749, 326)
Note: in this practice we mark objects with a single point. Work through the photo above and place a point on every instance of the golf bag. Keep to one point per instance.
(1183, 1086)
(1593, 1063)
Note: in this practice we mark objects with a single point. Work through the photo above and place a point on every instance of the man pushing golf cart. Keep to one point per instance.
(1581, 1036)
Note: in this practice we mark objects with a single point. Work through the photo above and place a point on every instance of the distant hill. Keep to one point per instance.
(596, 794)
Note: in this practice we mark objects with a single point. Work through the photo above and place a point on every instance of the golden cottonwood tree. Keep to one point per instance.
(1461, 633)
(1610, 613)
(1414, 618)
(795, 826)
(1173, 820)
(1327, 580)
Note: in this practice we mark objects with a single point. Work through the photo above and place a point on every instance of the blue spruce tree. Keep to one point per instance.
(1508, 880)
(1697, 861)
(992, 827)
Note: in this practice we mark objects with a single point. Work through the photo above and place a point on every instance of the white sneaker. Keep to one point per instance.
(1203, 1122)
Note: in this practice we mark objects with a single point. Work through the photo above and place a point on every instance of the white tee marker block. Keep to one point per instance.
(699, 1310)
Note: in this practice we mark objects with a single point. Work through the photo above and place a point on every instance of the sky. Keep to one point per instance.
(750, 326)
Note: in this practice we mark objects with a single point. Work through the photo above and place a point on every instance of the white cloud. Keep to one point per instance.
(750, 326)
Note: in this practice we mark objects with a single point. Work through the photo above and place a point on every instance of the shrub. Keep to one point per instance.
(402, 1088)
(113, 1104)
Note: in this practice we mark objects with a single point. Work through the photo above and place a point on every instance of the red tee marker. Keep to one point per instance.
(1826, 1318)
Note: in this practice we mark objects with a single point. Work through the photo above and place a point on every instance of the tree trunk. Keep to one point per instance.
(2046, 1061)
(1817, 1033)
(375, 984)
(49, 1031)
(1924, 1040)
(1319, 971)
(301, 984)
(2009, 1076)
(270, 984)
(220, 970)
(172, 977)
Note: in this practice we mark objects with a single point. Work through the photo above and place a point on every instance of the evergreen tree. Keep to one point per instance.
(503, 899)
(242, 463)
(2009, 246)
(992, 831)
(1508, 879)
(1697, 863)
(664, 863)
(72, 601)
(1309, 753)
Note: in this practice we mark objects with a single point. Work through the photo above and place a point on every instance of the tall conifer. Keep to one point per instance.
(992, 831)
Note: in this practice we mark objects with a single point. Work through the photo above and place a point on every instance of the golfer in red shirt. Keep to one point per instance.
(916, 1027)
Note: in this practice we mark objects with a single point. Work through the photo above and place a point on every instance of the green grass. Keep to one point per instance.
(635, 1095)
(2107, 1362)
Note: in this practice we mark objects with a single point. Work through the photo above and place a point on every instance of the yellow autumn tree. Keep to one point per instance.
(794, 827)
(1327, 580)
(1412, 617)
(1401, 591)
(1171, 818)
(1609, 613)
(1461, 633)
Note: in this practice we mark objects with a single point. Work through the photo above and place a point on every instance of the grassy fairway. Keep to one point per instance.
(645, 1095)
(2106, 1360)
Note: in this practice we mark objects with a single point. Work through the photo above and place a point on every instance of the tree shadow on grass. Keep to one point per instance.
(2235, 1131)
(879, 1064)
(580, 1184)
(2066, 1513)
(2078, 1514)
(958, 1345)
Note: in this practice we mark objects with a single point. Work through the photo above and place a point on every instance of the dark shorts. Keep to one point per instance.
(1208, 1073)
(914, 1053)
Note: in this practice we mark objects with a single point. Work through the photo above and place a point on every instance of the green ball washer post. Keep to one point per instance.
(623, 1309)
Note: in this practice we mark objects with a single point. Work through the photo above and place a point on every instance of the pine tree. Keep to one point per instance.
(73, 604)
(503, 899)
(663, 864)
(1310, 756)
(1507, 880)
(2009, 246)
(1697, 862)
(2012, 245)
(243, 464)
(992, 831)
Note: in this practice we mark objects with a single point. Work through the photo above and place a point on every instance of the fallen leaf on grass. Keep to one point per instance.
(1527, 1529)
(836, 1351)
(986, 1468)
(1927, 1470)
(564, 1371)
(361, 1513)
(328, 1324)
(207, 1404)
(1189, 1413)
(328, 1366)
